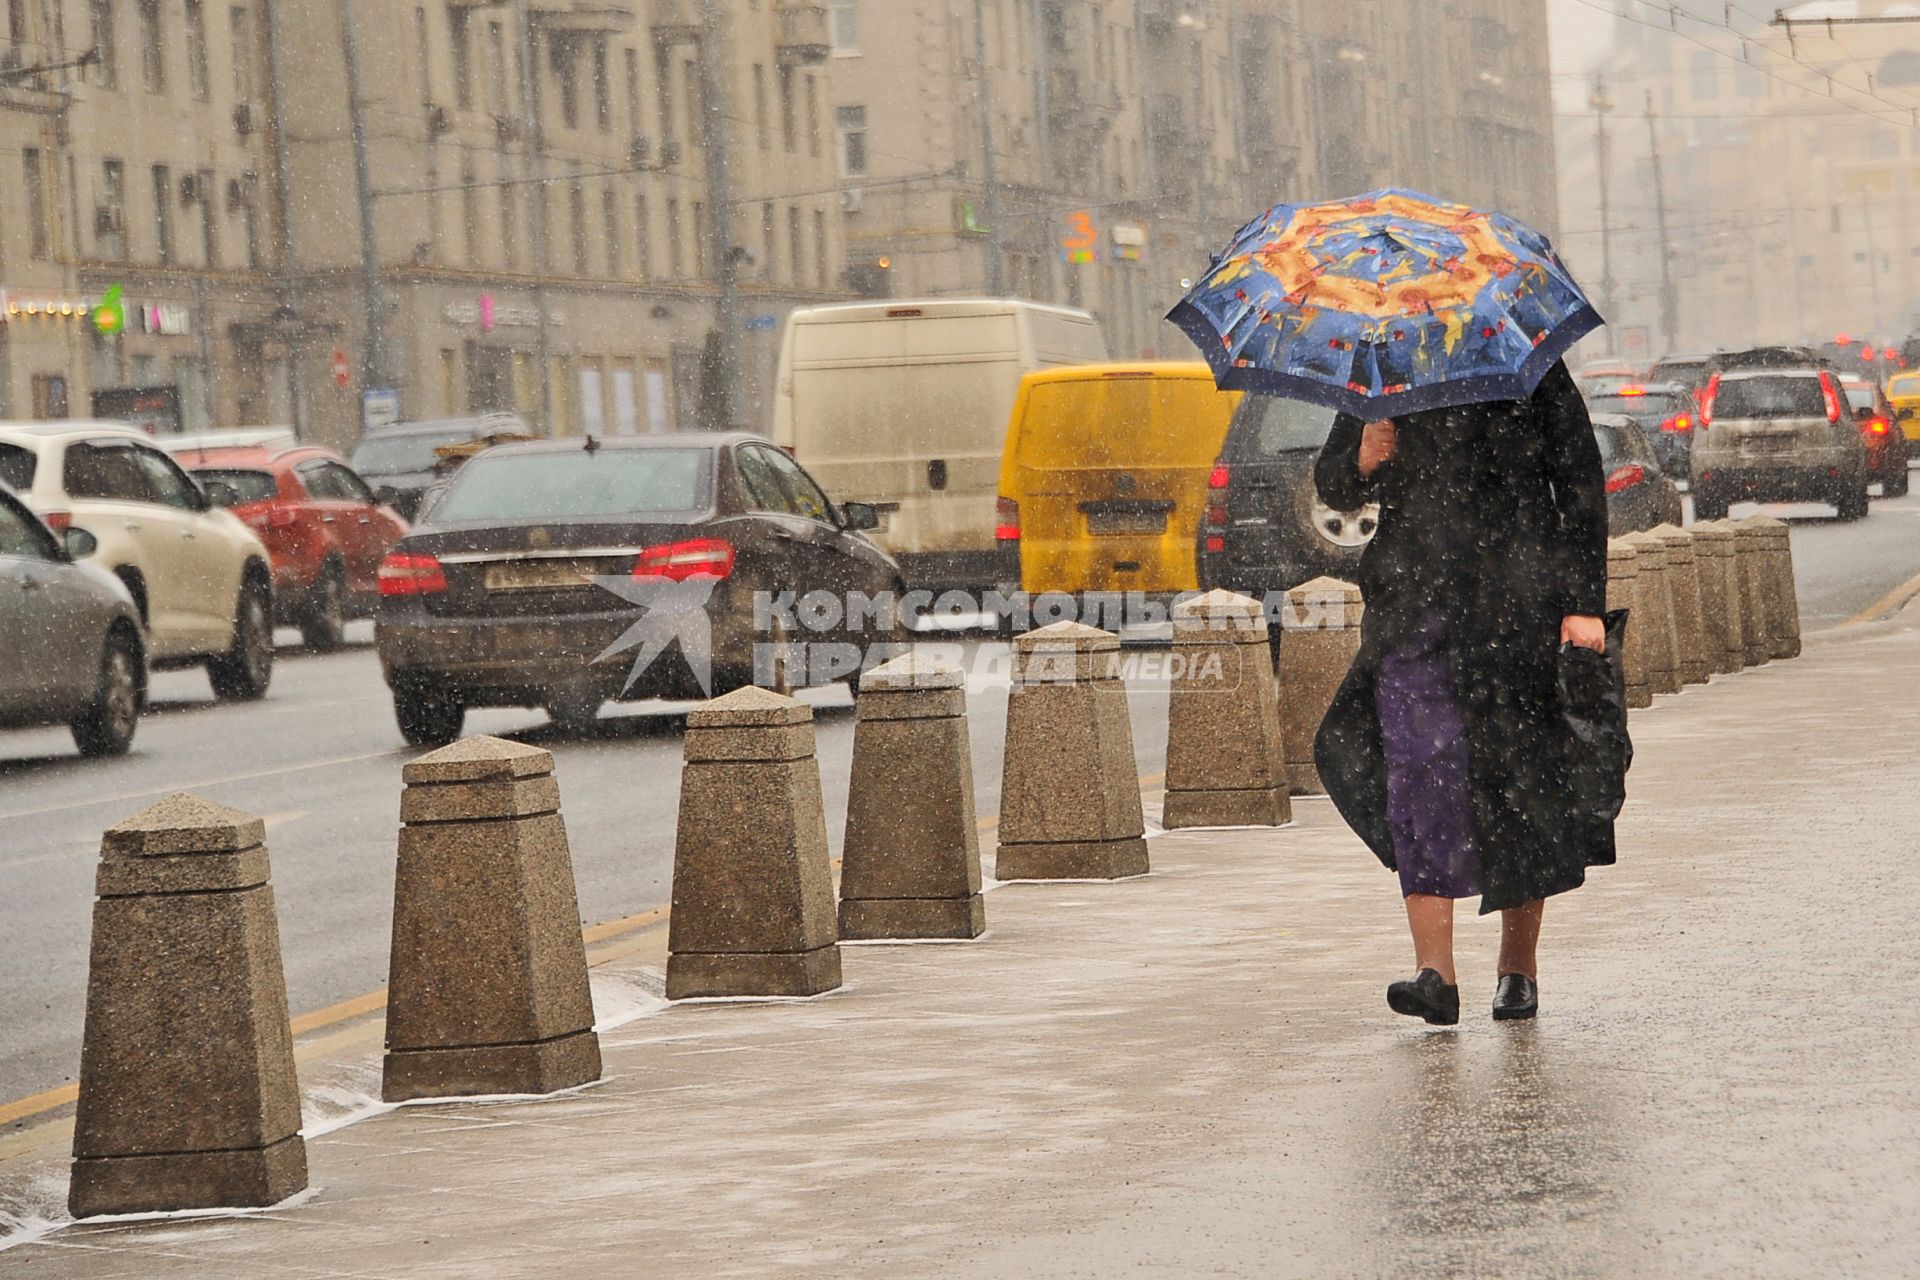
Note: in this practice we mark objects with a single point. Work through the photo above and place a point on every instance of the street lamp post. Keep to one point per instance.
(990, 165)
(376, 366)
(713, 96)
(537, 175)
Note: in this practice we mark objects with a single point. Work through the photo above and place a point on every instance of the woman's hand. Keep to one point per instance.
(1584, 631)
(1377, 446)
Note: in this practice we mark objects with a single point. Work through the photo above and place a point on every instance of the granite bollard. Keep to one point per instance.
(911, 864)
(1750, 545)
(1622, 580)
(753, 906)
(1689, 626)
(1713, 556)
(188, 1098)
(1782, 592)
(1653, 604)
(1070, 790)
(487, 982)
(1320, 635)
(1226, 762)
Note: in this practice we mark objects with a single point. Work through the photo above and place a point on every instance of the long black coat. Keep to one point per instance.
(1496, 514)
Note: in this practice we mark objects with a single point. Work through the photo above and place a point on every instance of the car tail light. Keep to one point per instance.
(409, 573)
(1678, 422)
(1006, 520)
(1877, 426)
(1630, 389)
(1831, 395)
(1707, 398)
(58, 521)
(1218, 480)
(1626, 477)
(681, 561)
(1216, 545)
(1216, 512)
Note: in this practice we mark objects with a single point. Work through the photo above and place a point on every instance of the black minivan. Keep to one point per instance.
(1265, 528)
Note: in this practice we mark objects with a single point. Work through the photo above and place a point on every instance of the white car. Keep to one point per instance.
(200, 577)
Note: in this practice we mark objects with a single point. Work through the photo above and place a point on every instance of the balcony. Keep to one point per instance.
(804, 39)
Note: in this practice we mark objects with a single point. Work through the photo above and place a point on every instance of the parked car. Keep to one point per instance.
(1778, 435)
(1887, 451)
(1903, 392)
(1683, 369)
(399, 461)
(71, 636)
(1103, 483)
(323, 527)
(1265, 528)
(1639, 493)
(1604, 383)
(492, 600)
(1665, 411)
(200, 578)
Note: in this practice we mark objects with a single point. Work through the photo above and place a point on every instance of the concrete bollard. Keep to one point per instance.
(487, 983)
(1782, 593)
(1750, 556)
(1713, 557)
(1226, 763)
(1070, 790)
(911, 865)
(187, 1092)
(1653, 596)
(1320, 634)
(1622, 581)
(753, 908)
(1683, 578)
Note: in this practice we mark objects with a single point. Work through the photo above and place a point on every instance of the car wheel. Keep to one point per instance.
(1708, 505)
(428, 716)
(1853, 501)
(106, 727)
(574, 712)
(325, 625)
(1896, 484)
(244, 671)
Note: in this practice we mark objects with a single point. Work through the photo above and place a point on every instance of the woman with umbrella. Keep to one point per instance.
(1437, 332)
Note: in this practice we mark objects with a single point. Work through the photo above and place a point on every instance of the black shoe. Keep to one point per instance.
(1517, 996)
(1426, 995)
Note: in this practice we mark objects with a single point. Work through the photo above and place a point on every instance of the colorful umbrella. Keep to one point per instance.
(1385, 304)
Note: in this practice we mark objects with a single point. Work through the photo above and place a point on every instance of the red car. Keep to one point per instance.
(325, 530)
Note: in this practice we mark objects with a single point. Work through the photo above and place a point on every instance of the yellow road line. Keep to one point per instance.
(1887, 605)
(374, 1001)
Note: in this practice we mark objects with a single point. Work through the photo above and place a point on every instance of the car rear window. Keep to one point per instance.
(387, 455)
(1684, 372)
(247, 484)
(1138, 422)
(1268, 426)
(578, 485)
(1858, 397)
(1796, 396)
(1652, 405)
(17, 467)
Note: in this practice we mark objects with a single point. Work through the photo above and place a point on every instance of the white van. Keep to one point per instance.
(905, 405)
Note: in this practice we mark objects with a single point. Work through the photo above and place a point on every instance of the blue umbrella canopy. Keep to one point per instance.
(1385, 304)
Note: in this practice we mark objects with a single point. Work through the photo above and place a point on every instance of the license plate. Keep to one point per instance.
(538, 575)
(1111, 524)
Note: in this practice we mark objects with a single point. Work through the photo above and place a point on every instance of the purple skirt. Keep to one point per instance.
(1429, 788)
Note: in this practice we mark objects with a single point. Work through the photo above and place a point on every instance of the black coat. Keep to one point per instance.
(1497, 514)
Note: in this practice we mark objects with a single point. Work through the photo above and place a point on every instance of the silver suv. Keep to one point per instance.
(1777, 435)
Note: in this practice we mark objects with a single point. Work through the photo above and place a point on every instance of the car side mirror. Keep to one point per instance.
(859, 516)
(79, 544)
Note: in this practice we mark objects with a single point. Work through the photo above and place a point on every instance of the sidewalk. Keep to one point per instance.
(1195, 1073)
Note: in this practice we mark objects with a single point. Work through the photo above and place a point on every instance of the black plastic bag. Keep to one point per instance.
(1593, 698)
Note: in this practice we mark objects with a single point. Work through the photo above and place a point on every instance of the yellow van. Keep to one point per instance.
(1103, 483)
(1903, 392)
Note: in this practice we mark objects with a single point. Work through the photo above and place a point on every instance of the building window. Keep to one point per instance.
(634, 128)
(459, 34)
(510, 223)
(152, 52)
(196, 48)
(35, 182)
(162, 214)
(769, 238)
(423, 56)
(820, 247)
(106, 44)
(602, 87)
(844, 19)
(1706, 76)
(642, 237)
(565, 62)
(500, 77)
(675, 262)
(610, 217)
(813, 115)
(696, 117)
(796, 249)
(470, 208)
(209, 220)
(761, 127)
(577, 223)
(110, 220)
(699, 240)
(789, 124)
(250, 212)
(17, 22)
(851, 127)
(240, 27)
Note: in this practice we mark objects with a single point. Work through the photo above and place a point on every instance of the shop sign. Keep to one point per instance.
(379, 409)
(1129, 241)
(490, 313)
(167, 319)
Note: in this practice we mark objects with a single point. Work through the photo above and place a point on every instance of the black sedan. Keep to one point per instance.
(1639, 494)
(1666, 411)
(565, 574)
(70, 635)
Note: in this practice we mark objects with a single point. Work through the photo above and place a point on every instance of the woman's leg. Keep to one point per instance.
(1431, 919)
(1520, 937)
